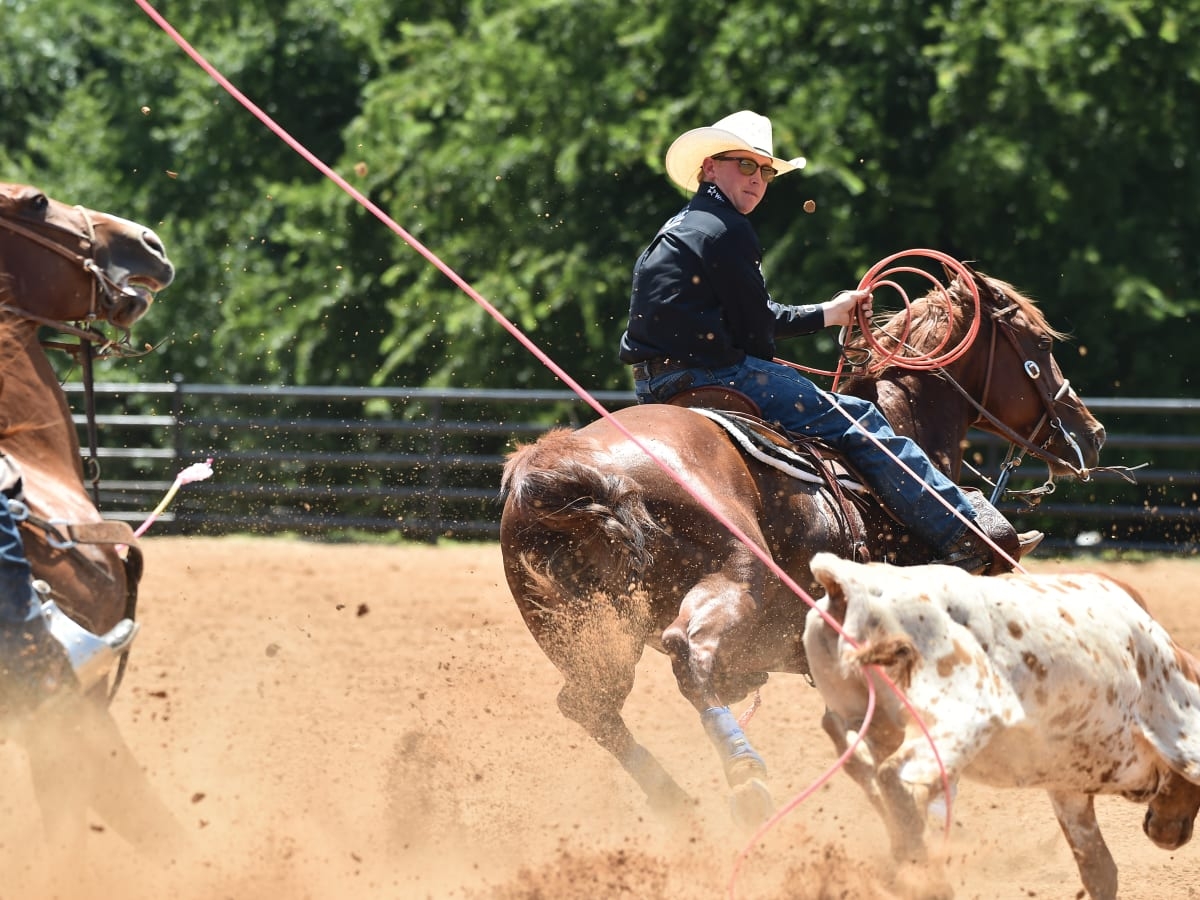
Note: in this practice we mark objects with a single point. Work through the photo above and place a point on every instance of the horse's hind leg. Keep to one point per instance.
(599, 713)
(597, 650)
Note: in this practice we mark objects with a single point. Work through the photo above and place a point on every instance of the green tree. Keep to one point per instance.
(522, 142)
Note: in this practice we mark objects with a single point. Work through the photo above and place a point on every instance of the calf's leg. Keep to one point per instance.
(919, 874)
(1076, 815)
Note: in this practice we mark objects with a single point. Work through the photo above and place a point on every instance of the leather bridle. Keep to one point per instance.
(1019, 445)
(104, 290)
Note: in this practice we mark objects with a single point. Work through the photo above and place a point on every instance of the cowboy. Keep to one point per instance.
(700, 314)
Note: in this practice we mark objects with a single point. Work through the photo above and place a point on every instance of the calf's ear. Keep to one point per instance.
(825, 568)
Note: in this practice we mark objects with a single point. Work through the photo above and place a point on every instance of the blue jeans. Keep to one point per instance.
(16, 576)
(797, 404)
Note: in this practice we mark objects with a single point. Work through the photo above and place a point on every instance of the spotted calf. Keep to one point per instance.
(1062, 682)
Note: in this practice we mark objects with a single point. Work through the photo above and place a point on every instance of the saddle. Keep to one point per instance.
(91, 655)
(805, 458)
(60, 534)
(814, 461)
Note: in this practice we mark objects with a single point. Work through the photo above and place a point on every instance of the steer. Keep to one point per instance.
(1063, 682)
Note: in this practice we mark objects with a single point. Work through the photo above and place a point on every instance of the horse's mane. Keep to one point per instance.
(931, 315)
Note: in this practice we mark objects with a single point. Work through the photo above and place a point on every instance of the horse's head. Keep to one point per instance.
(1024, 394)
(1000, 363)
(63, 263)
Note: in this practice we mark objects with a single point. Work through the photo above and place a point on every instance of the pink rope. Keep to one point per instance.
(785, 810)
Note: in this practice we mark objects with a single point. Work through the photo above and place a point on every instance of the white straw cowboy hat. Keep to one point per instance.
(744, 130)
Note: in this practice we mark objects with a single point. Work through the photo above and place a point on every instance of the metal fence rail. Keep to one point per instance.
(426, 463)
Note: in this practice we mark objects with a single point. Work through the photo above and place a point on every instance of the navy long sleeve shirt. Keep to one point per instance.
(699, 296)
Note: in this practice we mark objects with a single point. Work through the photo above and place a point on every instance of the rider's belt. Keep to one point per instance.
(652, 368)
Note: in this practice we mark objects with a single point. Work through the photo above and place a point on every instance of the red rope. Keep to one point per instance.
(882, 275)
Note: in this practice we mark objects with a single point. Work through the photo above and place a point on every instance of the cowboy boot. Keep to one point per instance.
(975, 555)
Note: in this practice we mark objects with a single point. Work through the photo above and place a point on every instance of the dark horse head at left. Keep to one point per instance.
(71, 264)
(77, 271)
(605, 553)
(74, 269)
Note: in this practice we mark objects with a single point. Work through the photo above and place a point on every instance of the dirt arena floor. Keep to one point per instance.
(352, 721)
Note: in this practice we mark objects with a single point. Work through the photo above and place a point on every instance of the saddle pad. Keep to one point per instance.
(772, 449)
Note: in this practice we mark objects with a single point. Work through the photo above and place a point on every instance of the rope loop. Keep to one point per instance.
(879, 357)
(881, 275)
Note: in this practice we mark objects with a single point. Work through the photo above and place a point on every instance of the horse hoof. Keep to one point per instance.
(671, 803)
(752, 804)
(914, 881)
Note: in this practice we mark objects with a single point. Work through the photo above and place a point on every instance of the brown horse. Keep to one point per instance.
(60, 265)
(605, 553)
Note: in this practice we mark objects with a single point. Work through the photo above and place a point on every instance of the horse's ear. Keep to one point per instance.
(982, 285)
(952, 274)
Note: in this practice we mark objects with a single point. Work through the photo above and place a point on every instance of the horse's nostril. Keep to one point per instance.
(154, 243)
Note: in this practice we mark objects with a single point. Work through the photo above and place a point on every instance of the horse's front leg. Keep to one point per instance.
(79, 760)
(715, 619)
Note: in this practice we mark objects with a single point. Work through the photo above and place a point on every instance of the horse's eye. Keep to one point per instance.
(1045, 343)
(39, 203)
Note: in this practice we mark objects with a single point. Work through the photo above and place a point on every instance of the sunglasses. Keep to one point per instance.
(749, 167)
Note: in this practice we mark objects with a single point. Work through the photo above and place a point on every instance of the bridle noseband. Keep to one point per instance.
(1048, 398)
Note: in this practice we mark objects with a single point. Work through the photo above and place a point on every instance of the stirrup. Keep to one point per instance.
(91, 655)
(968, 554)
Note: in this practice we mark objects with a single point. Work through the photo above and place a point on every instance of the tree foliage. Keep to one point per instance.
(521, 142)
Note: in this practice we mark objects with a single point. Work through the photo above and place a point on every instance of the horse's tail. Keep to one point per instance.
(561, 484)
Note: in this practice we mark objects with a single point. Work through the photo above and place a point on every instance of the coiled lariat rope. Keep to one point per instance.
(882, 275)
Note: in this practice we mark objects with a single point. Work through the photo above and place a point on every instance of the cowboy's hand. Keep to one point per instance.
(843, 309)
